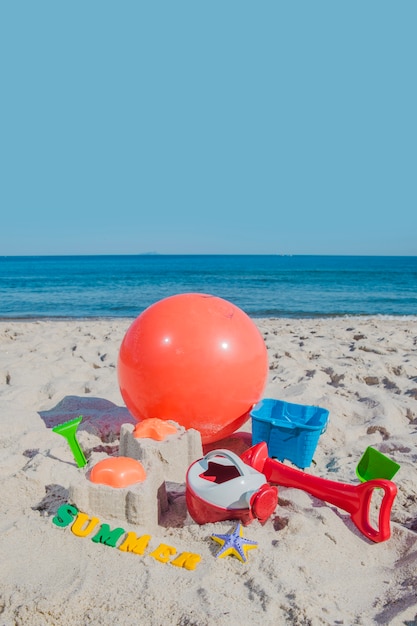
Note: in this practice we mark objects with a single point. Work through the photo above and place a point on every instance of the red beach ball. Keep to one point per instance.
(196, 359)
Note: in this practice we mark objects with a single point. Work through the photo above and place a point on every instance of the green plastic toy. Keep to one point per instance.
(374, 464)
(68, 431)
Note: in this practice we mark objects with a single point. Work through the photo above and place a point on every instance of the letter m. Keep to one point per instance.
(135, 544)
(107, 536)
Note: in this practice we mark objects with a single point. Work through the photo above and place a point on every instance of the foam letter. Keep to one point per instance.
(107, 536)
(135, 544)
(189, 560)
(163, 553)
(81, 519)
(65, 515)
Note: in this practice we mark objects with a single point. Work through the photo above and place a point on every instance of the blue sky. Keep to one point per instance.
(208, 127)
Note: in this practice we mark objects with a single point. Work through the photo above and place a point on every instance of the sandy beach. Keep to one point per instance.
(311, 565)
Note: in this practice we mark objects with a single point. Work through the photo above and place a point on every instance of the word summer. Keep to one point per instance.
(83, 525)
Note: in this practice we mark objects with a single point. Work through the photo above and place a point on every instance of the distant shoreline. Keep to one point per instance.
(115, 318)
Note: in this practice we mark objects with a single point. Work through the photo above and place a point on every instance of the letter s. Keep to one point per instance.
(65, 515)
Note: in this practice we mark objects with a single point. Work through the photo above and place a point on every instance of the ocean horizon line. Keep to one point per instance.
(203, 254)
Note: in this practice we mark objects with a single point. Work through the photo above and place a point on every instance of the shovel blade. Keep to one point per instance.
(374, 464)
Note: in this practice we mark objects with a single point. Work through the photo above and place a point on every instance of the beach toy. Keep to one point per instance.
(290, 430)
(154, 428)
(68, 430)
(374, 464)
(355, 499)
(220, 486)
(234, 544)
(118, 471)
(195, 359)
(83, 525)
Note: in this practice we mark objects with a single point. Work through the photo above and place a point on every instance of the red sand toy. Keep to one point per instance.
(355, 499)
(220, 486)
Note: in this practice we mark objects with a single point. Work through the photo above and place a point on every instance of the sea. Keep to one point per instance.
(293, 286)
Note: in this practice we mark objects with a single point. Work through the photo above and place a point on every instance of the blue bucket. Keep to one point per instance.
(291, 431)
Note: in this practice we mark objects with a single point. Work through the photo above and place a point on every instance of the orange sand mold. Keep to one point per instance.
(154, 428)
(119, 472)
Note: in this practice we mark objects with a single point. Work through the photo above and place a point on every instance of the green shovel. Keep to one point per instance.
(68, 431)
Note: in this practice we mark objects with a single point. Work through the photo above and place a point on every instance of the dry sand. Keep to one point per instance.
(311, 566)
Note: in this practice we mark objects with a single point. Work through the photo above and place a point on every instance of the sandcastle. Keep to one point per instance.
(165, 450)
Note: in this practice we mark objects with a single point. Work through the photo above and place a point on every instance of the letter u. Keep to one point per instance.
(79, 522)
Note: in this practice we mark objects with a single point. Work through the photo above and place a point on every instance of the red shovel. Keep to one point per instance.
(355, 499)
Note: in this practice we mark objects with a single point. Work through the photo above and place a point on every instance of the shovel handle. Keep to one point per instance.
(355, 499)
(360, 517)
